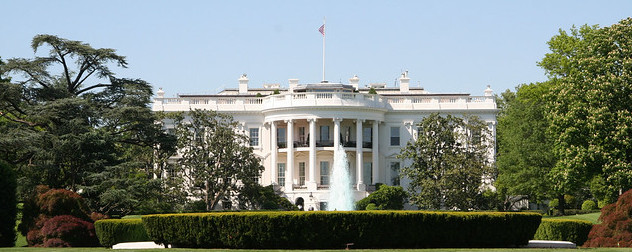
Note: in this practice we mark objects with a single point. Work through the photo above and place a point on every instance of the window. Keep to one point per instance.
(301, 134)
(281, 174)
(301, 173)
(324, 133)
(368, 173)
(281, 137)
(395, 173)
(323, 206)
(254, 136)
(367, 138)
(476, 136)
(324, 173)
(394, 136)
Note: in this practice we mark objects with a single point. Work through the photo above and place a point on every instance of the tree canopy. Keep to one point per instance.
(219, 162)
(69, 122)
(449, 161)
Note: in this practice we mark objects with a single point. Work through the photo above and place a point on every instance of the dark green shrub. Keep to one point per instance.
(67, 231)
(589, 205)
(320, 230)
(371, 206)
(385, 198)
(563, 230)
(8, 205)
(113, 231)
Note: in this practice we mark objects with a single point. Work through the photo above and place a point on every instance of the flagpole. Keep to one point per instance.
(324, 27)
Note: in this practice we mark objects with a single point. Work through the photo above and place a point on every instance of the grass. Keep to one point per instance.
(368, 250)
(592, 217)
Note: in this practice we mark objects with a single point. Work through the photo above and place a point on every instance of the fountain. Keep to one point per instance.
(340, 194)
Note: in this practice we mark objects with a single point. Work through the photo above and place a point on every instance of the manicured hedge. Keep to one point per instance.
(321, 230)
(564, 230)
(113, 231)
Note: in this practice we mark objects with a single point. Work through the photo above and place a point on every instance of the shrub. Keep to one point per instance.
(615, 229)
(115, 231)
(320, 230)
(563, 230)
(8, 205)
(589, 205)
(70, 230)
(385, 198)
(62, 202)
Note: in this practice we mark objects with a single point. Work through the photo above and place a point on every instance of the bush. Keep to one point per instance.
(8, 205)
(67, 231)
(589, 205)
(615, 229)
(385, 198)
(563, 230)
(115, 231)
(327, 230)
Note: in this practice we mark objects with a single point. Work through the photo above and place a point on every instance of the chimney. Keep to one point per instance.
(404, 83)
(489, 91)
(243, 84)
(160, 93)
(293, 84)
(354, 81)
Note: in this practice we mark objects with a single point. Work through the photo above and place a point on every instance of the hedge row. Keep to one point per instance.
(113, 231)
(564, 230)
(332, 230)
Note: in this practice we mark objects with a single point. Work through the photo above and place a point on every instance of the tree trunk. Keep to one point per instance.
(561, 206)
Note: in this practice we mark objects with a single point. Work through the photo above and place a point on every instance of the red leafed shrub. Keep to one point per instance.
(615, 229)
(56, 243)
(62, 202)
(74, 232)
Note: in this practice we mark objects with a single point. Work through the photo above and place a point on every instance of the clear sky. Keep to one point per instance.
(204, 46)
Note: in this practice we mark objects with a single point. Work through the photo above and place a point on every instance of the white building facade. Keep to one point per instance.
(296, 131)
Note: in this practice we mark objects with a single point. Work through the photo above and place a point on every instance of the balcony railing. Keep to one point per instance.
(324, 143)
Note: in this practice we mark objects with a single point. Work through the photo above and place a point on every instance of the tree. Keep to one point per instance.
(8, 205)
(68, 121)
(254, 196)
(385, 198)
(525, 154)
(217, 159)
(450, 160)
(591, 112)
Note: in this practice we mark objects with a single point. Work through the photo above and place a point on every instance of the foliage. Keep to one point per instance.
(219, 162)
(57, 217)
(385, 198)
(591, 112)
(524, 149)
(113, 231)
(322, 229)
(67, 231)
(257, 197)
(615, 229)
(372, 91)
(575, 231)
(589, 205)
(69, 122)
(8, 205)
(450, 160)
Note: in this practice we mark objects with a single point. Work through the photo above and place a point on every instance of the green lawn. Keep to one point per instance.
(369, 250)
(592, 217)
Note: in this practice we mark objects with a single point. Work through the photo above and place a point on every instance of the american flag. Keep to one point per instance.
(322, 29)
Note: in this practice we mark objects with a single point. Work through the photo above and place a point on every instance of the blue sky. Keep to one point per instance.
(204, 46)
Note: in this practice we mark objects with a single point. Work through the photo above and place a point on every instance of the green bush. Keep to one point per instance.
(589, 205)
(385, 198)
(8, 205)
(563, 230)
(113, 231)
(327, 230)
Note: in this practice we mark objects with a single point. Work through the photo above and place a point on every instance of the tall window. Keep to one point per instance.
(281, 174)
(254, 136)
(395, 173)
(394, 136)
(324, 173)
(301, 134)
(301, 173)
(324, 133)
(476, 136)
(281, 137)
(368, 173)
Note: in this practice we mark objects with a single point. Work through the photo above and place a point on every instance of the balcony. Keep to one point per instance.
(300, 100)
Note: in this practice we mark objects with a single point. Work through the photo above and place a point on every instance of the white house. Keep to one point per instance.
(296, 131)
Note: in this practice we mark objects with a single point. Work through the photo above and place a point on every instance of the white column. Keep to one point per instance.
(312, 153)
(337, 132)
(273, 153)
(289, 176)
(359, 168)
(376, 174)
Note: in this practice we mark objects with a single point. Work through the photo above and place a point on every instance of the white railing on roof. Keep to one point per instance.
(404, 102)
